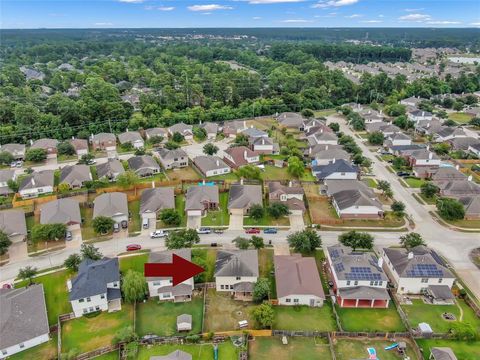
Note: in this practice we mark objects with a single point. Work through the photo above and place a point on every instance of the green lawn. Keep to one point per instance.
(160, 318)
(469, 224)
(370, 182)
(87, 229)
(207, 258)
(266, 269)
(180, 208)
(135, 220)
(56, 293)
(113, 355)
(87, 334)
(220, 217)
(414, 182)
(464, 350)
(226, 351)
(366, 319)
(432, 314)
(460, 117)
(305, 318)
(47, 351)
(347, 349)
(266, 220)
(133, 262)
(298, 348)
(274, 173)
(429, 201)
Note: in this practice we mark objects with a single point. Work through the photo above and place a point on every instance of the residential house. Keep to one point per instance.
(329, 155)
(174, 355)
(171, 159)
(404, 150)
(314, 149)
(24, 321)
(412, 101)
(475, 149)
(471, 204)
(424, 162)
(16, 150)
(211, 129)
(458, 188)
(413, 271)
(386, 129)
(162, 287)
(371, 116)
(96, 287)
(12, 223)
(200, 199)
(253, 132)
(463, 143)
(113, 205)
(239, 156)
(290, 195)
(49, 145)
(80, 146)
(182, 129)
(449, 133)
(236, 272)
(37, 183)
(442, 353)
(398, 139)
(358, 278)
(156, 132)
(242, 197)
(61, 211)
(330, 187)
(143, 165)
(428, 127)
(336, 170)
(323, 138)
(291, 120)
(474, 111)
(5, 176)
(131, 137)
(234, 127)
(105, 142)
(316, 124)
(297, 281)
(264, 145)
(447, 173)
(32, 74)
(75, 176)
(110, 170)
(211, 165)
(419, 115)
(153, 201)
(357, 204)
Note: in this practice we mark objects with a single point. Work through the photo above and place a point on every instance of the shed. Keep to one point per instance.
(184, 322)
(425, 329)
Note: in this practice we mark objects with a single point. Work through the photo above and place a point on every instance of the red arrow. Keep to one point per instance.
(179, 270)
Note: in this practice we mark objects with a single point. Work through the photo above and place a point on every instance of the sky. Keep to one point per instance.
(237, 13)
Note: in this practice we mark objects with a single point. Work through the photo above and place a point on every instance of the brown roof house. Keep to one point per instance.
(234, 127)
(298, 281)
(110, 169)
(211, 165)
(49, 145)
(80, 146)
(62, 211)
(200, 199)
(239, 156)
(211, 128)
(459, 188)
(290, 195)
(242, 197)
(153, 201)
(143, 165)
(105, 142)
(12, 223)
(131, 137)
(291, 120)
(471, 204)
(75, 176)
(156, 132)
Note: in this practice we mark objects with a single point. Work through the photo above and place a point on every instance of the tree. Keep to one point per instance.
(5, 242)
(156, 139)
(48, 232)
(257, 242)
(429, 189)
(450, 209)
(441, 148)
(307, 113)
(6, 158)
(36, 155)
(398, 207)
(27, 273)
(475, 121)
(127, 179)
(200, 133)
(385, 187)
(264, 315)
(124, 335)
(304, 241)
(376, 138)
(261, 290)
(102, 224)
(65, 148)
(295, 166)
(241, 140)
(134, 286)
(72, 262)
(13, 185)
(277, 210)
(88, 251)
(411, 240)
(399, 162)
(185, 238)
(256, 212)
(334, 126)
(170, 145)
(356, 240)
(210, 149)
(249, 172)
(170, 217)
(241, 243)
(463, 330)
(63, 188)
(403, 123)
(177, 137)
(395, 109)
(86, 158)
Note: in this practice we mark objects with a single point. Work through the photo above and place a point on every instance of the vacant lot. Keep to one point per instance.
(464, 350)
(266, 348)
(347, 349)
(460, 117)
(304, 318)
(366, 319)
(226, 350)
(186, 173)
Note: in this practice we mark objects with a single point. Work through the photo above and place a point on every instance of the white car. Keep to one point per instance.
(158, 234)
(204, 230)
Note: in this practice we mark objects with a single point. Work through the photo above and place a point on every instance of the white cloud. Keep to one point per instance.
(296, 21)
(475, 24)
(443, 22)
(209, 7)
(256, 2)
(324, 4)
(413, 10)
(415, 17)
(103, 24)
(371, 21)
(132, 1)
(353, 16)
(381, 16)
(160, 8)
(257, 18)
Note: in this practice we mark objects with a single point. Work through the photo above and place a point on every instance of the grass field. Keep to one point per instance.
(275, 173)
(464, 350)
(460, 117)
(266, 348)
(366, 319)
(87, 334)
(304, 318)
(186, 173)
(266, 269)
(414, 182)
(46, 351)
(133, 262)
(160, 318)
(220, 217)
(226, 350)
(135, 222)
(347, 349)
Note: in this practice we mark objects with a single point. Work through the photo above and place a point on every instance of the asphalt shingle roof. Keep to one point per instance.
(244, 196)
(236, 263)
(156, 199)
(61, 211)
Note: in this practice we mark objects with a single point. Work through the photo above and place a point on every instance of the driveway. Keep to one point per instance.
(76, 241)
(296, 222)
(18, 251)
(281, 249)
(194, 222)
(236, 221)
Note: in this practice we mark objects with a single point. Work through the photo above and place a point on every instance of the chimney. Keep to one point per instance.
(245, 154)
(333, 161)
(244, 124)
(457, 167)
(410, 255)
(423, 113)
(430, 155)
(33, 180)
(470, 177)
(310, 150)
(69, 285)
(326, 147)
(290, 183)
(380, 262)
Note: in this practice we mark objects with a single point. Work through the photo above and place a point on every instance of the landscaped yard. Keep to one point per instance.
(223, 314)
(464, 350)
(220, 217)
(347, 349)
(226, 350)
(275, 173)
(366, 319)
(305, 318)
(266, 220)
(135, 222)
(414, 182)
(160, 318)
(186, 173)
(46, 350)
(298, 348)
(87, 334)
(134, 262)
(429, 201)
(180, 208)
(469, 224)
(432, 314)
(460, 117)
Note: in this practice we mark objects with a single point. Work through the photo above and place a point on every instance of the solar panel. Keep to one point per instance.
(334, 253)
(362, 273)
(425, 270)
(339, 267)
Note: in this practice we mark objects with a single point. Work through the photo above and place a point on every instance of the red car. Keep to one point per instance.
(252, 231)
(133, 247)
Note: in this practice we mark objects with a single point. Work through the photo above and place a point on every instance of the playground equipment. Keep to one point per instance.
(393, 346)
(215, 352)
(372, 354)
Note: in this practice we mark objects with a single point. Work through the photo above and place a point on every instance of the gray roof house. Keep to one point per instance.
(253, 132)
(442, 353)
(336, 170)
(49, 145)
(62, 211)
(236, 271)
(175, 355)
(463, 143)
(291, 120)
(171, 159)
(449, 133)
(132, 137)
(156, 131)
(211, 165)
(326, 156)
(104, 141)
(200, 199)
(12, 223)
(110, 169)
(232, 128)
(211, 128)
(39, 182)
(357, 204)
(113, 205)
(458, 188)
(471, 204)
(75, 175)
(447, 174)
(330, 187)
(23, 320)
(242, 197)
(183, 129)
(16, 150)
(156, 199)
(143, 165)
(5, 176)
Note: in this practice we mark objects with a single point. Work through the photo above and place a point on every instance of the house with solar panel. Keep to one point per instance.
(419, 271)
(358, 278)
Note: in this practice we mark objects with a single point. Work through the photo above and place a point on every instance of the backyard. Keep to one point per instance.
(160, 318)
(347, 349)
(220, 217)
(134, 212)
(275, 173)
(369, 320)
(305, 318)
(226, 350)
(298, 348)
(464, 350)
(46, 350)
(186, 173)
(460, 117)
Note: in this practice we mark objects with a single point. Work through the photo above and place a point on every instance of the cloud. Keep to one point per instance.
(132, 1)
(256, 2)
(353, 16)
(324, 4)
(209, 7)
(371, 21)
(160, 8)
(475, 23)
(103, 24)
(443, 22)
(413, 10)
(257, 18)
(296, 21)
(415, 17)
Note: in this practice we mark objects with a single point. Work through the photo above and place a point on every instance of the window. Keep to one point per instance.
(102, 296)
(170, 281)
(97, 308)
(222, 287)
(355, 283)
(348, 282)
(440, 280)
(85, 311)
(288, 300)
(81, 300)
(424, 280)
(371, 283)
(88, 299)
(115, 284)
(21, 345)
(343, 174)
(231, 287)
(4, 352)
(166, 295)
(156, 283)
(380, 283)
(238, 278)
(295, 300)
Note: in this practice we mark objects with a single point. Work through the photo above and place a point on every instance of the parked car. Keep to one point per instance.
(116, 227)
(252, 231)
(218, 231)
(403, 173)
(270, 231)
(68, 235)
(158, 234)
(133, 247)
(204, 230)
(124, 224)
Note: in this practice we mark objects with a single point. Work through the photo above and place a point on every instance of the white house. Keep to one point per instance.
(419, 115)
(96, 287)
(398, 139)
(211, 165)
(37, 183)
(357, 204)
(414, 271)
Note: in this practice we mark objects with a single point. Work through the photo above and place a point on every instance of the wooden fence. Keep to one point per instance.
(18, 202)
(97, 352)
